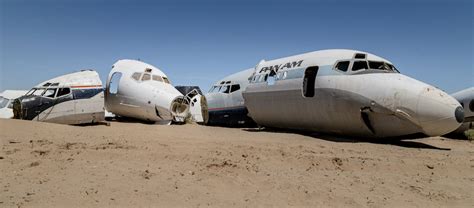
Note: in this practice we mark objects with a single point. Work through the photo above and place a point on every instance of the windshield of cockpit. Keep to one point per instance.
(3, 102)
(361, 65)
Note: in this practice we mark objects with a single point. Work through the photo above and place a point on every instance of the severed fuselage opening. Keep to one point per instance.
(179, 109)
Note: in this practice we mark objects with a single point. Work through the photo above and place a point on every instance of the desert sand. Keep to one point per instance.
(141, 165)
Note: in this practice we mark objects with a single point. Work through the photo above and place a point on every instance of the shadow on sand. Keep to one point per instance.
(333, 138)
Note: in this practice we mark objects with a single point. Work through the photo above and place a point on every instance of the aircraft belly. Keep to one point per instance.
(230, 117)
(330, 110)
(134, 108)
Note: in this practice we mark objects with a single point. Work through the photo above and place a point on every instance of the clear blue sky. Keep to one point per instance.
(199, 42)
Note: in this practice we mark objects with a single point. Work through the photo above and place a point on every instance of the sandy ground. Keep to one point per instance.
(139, 165)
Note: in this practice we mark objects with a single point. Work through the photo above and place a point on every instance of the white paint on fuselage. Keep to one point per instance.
(220, 100)
(399, 105)
(6, 99)
(140, 99)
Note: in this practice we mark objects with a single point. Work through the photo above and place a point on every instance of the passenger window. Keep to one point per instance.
(234, 88)
(257, 78)
(157, 78)
(146, 77)
(165, 80)
(343, 66)
(63, 91)
(358, 65)
(136, 76)
(271, 80)
(49, 93)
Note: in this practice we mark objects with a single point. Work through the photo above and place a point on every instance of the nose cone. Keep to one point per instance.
(438, 112)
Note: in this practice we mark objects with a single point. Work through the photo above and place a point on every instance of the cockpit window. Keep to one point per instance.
(146, 77)
(382, 66)
(10, 104)
(376, 64)
(136, 76)
(359, 65)
(157, 78)
(212, 89)
(63, 91)
(343, 65)
(38, 92)
(3, 102)
(50, 93)
(165, 80)
(393, 68)
(234, 88)
(31, 91)
(225, 89)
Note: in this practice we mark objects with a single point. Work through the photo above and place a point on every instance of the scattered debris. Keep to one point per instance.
(33, 164)
(337, 161)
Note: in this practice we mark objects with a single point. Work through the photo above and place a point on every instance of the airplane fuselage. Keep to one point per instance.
(363, 102)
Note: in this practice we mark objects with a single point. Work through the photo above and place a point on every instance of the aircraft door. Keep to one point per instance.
(309, 81)
(113, 84)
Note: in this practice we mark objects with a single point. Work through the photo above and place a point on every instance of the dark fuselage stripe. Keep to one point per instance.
(226, 108)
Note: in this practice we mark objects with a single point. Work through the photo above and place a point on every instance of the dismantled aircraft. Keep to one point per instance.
(6, 102)
(226, 106)
(139, 90)
(466, 98)
(346, 92)
(75, 98)
(197, 103)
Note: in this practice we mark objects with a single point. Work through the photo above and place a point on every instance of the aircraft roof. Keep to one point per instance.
(464, 94)
(323, 57)
(80, 78)
(130, 66)
(237, 77)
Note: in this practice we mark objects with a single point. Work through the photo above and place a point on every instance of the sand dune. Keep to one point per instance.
(134, 165)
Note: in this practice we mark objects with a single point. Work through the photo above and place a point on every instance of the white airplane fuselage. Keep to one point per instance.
(74, 98)
(6, 102)
(226, 106)
(143, 92)
(466, 99)
(347, 92)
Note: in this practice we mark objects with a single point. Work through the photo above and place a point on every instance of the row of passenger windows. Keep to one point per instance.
(49, 92)
(227, 88)
(291, 74)
(147, 77)
(363, 65)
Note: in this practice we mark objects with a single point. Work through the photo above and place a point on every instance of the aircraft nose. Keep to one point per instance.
(438, 112)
